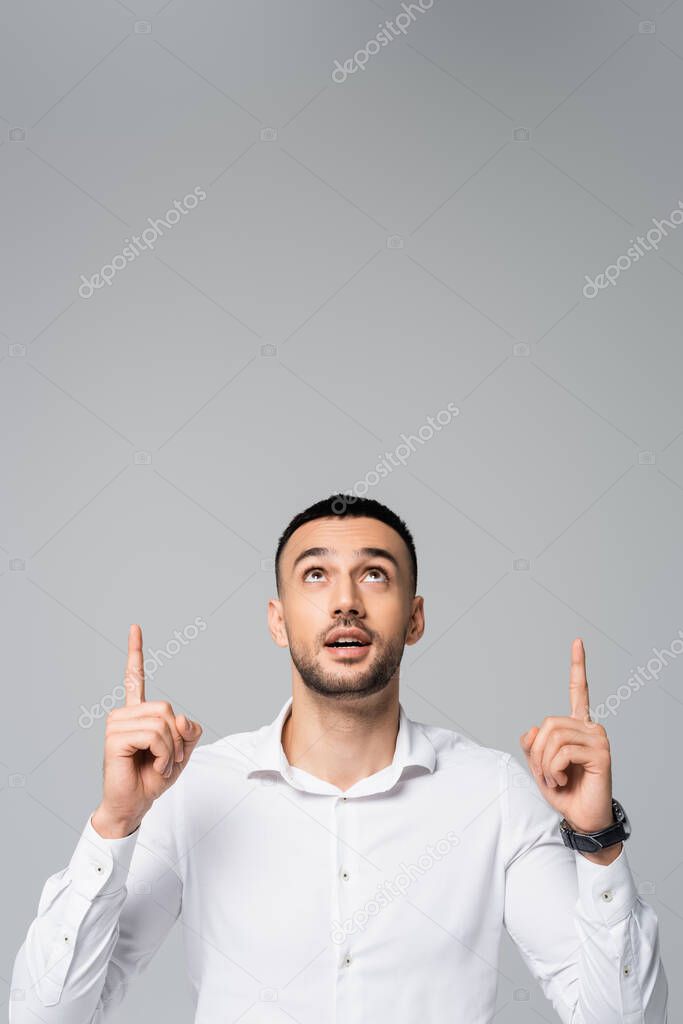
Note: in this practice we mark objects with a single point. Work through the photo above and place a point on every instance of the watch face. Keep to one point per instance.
(622, 818)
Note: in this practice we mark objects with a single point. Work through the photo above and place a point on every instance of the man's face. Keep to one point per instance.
(348, 574)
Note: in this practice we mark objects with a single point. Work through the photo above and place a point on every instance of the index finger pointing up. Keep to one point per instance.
(135, 674)
(578, 684)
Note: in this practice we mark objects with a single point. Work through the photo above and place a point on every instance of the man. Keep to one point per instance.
(346, 864)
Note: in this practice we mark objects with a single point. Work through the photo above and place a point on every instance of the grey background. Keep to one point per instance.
(396, 243)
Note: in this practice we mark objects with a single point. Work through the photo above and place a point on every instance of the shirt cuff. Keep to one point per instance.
(99, 866)
(607, 892)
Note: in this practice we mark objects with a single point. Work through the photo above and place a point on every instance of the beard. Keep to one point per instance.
(361, 682)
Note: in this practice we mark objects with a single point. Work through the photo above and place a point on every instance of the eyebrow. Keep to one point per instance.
(359, 553)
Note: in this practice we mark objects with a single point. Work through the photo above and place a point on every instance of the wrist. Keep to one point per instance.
(595, 825)
(110, 826)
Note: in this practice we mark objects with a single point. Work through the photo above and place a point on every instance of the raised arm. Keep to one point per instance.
(101, 919)
(582, 928)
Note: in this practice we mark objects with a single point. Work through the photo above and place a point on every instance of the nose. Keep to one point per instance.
(345, 599)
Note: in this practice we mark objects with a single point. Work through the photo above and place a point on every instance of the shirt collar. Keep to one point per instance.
(413, 748)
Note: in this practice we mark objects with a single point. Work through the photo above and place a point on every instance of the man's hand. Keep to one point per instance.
(146, 747)
(571, 761)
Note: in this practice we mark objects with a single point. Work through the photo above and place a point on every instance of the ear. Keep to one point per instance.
(416, 626)
(276, 622)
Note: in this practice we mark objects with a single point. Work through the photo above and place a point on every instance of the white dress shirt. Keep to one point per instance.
(384, 903)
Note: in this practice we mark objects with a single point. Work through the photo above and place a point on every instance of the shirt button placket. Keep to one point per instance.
(343, 872)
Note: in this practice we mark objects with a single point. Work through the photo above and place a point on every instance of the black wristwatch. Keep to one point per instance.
(591, 842)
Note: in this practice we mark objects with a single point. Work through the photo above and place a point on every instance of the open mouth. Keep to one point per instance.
(347, 652)
(347, 642)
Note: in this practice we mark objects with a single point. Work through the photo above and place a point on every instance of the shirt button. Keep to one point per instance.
(608, 896)
(347, 960)
(627, 969)
(345, 798)
(345, 875)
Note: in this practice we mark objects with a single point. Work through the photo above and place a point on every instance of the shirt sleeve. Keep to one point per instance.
(99, 922)
(584, 932)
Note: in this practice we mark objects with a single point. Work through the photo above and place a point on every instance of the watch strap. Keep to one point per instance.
(592, 842)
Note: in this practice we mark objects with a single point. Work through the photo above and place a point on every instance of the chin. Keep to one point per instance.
(348, 685)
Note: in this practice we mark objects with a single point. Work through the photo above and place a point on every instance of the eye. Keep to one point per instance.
(308, 572)
(383, 572)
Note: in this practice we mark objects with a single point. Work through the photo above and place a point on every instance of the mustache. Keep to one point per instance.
(347, 623)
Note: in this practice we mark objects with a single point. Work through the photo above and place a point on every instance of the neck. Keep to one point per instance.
(341, 741)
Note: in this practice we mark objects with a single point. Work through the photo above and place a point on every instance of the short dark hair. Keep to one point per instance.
(340, 505)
